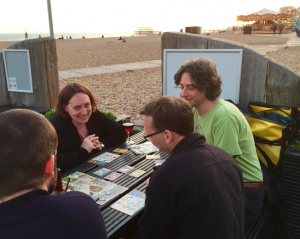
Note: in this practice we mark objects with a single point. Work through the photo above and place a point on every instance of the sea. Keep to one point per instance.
(21, 36)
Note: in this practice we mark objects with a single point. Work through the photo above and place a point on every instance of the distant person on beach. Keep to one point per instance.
(298, 32)
(82, 130)
(40, 36)
(274, 27)
(281, 27)
(121, 38)
(26, 35)
(83, 37)
(102, 36)
(198, 192)
(70, 37)
(223, 125)
(124, 40)
(28, 176)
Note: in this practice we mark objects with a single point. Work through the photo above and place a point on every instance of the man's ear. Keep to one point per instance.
(169, 136)
(49, 167)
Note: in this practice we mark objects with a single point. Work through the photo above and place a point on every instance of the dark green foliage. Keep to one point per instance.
(297, 146)
(49, 114)
(110, 115)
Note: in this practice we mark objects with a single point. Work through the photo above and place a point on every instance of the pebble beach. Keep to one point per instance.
(124, 93)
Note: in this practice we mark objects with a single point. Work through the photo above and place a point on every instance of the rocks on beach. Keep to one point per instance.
(126, 92)
(123, 93)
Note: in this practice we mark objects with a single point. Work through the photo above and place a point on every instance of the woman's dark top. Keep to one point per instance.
(69, 153)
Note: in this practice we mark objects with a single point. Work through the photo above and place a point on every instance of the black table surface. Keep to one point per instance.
(114, 220)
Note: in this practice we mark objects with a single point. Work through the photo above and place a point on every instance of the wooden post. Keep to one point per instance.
(43, 59)
(283, 86)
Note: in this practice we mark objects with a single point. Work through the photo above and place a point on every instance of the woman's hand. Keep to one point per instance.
(98, 145)
(88, 143)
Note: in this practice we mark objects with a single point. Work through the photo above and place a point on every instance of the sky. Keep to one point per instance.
(95, 16)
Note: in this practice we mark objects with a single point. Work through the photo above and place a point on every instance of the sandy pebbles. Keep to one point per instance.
(124, 92)
(127, 92)
(251, 39)
(82, 53)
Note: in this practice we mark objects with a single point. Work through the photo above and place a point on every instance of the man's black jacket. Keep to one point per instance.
(197, 193)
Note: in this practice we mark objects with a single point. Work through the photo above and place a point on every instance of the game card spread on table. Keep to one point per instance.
(130, 203)
(137, 173)
(113, 176)
(98, 189)
(101, 171)
(125, 169)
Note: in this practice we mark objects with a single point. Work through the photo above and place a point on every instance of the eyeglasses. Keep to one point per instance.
(147, 136)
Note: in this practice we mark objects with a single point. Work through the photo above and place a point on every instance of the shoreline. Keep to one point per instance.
(57, 36)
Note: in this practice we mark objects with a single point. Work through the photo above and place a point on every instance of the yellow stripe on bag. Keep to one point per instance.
(273, 151)
(258, 109)
(265, 130)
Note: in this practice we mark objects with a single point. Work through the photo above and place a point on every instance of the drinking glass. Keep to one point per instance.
(128, 125)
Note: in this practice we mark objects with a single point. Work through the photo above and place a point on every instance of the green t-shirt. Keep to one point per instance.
(225, 126)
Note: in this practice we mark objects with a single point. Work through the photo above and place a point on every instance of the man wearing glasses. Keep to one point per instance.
(198, 191)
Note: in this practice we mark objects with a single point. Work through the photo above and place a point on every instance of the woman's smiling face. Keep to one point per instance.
(79, 108)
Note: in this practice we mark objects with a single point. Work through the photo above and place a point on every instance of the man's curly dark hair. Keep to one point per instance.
(204, 73)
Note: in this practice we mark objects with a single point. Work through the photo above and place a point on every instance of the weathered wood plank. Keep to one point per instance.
(283, 86)
(253, 77)
(200, 42)
(168, 41)
(4, 100)
(37, 60)
(44, 72)
(52, 79)
(253, 74)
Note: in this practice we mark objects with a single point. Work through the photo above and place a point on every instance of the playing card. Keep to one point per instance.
(125, 169)
(101, 171)
(153, 156)
(130, 203)
(121, 151)
(159, 162)
(113, 176)
(99, 163)
(137, 173)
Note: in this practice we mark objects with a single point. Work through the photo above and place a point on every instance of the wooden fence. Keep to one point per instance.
(262, 79)
(43, 58)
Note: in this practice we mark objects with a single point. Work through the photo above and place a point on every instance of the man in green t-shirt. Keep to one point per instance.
(223, 125)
